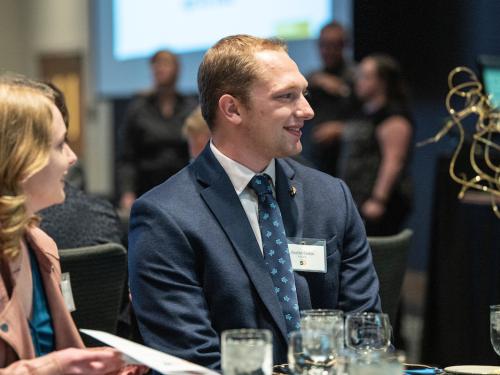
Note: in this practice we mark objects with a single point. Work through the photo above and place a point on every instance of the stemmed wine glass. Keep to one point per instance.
(495, 327)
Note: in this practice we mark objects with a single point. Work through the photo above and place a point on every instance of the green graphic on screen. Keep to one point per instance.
(491, 78)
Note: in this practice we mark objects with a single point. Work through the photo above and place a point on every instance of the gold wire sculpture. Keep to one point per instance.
(465, 100)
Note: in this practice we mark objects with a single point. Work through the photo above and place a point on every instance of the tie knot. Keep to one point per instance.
(261, 184)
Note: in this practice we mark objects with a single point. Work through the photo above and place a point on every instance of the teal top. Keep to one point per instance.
(42, 331)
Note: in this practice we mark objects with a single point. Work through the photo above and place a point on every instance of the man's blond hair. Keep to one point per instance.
(230, 67)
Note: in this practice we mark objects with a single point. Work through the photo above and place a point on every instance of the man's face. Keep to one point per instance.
(331, 46)
(164, 70)
(276, 109)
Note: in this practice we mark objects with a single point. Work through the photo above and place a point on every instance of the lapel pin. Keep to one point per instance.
(293, 191)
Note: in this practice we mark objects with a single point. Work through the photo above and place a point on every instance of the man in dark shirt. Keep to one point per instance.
(331, 98)
(153, 147)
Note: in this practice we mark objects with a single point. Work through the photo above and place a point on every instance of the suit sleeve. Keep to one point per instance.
(359, 286)
(167, 295)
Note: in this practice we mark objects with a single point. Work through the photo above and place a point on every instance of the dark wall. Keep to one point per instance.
(429, 38)
(422, 35)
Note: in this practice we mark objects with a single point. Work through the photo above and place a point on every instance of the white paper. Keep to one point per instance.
(139, 354)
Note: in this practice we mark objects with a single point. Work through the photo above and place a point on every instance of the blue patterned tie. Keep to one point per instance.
(275, 248)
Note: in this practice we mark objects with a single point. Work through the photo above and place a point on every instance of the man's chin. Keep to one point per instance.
(293, 151)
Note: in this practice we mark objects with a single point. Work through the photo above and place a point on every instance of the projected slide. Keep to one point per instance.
(491, 77)
(142, 27)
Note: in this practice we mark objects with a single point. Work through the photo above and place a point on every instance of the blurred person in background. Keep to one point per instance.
(376, 147)
(331, 97)
(152, 147)
(37, 333)
(197, 132)
(337, 75)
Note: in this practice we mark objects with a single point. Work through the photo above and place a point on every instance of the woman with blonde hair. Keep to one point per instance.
(37, 333)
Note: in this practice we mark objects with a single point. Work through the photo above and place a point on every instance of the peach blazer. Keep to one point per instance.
(15, 338)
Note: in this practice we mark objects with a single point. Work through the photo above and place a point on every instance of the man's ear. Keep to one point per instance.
(230, 108)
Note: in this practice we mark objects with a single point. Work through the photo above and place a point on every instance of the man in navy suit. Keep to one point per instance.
(197, 258)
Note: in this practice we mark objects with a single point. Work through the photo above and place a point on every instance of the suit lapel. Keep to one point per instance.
(290, 197)
(221, 198)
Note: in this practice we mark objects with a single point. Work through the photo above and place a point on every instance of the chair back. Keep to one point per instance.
(97, 275)
(390, 254)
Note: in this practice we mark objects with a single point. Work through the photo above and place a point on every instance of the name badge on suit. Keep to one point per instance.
(308, 254)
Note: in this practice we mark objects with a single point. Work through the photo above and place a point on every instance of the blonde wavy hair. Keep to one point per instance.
(25, 140)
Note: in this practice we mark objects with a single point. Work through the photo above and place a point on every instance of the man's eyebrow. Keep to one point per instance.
(292, 86)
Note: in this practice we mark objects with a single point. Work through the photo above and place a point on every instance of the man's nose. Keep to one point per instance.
(305, 111)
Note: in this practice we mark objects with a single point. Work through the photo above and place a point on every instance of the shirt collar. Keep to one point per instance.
(240, 175)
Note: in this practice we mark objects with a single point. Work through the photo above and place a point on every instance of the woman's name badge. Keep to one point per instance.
(307, 254)
(67, 292)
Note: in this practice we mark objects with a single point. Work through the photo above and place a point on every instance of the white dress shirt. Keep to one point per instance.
(240, 176)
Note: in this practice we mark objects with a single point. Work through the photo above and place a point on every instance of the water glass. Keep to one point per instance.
(495, 327)
(326, 320)
(247, 351)
(367, 332)
(312, 352)
(376, 363)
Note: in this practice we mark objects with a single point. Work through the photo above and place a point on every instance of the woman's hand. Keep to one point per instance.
(333, 85)
(372, 209)
(98, 361)
(327, 131)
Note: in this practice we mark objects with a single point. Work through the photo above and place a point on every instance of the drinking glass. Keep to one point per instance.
(327, 320)
(376, 363)
(367, 332)
(312, 352)
(495, 327)
(247, 351)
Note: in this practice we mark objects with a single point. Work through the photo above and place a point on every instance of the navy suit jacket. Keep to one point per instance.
(196, 268)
